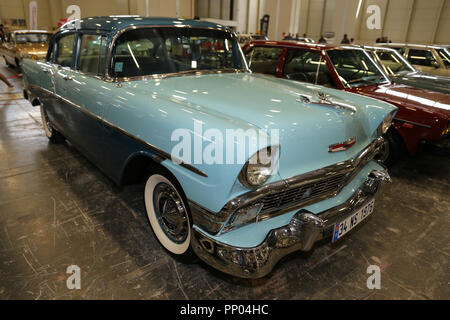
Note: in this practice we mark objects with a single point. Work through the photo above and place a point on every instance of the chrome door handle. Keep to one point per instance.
(67, 77)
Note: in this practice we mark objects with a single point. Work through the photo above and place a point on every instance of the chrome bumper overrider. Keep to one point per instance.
(304, 229)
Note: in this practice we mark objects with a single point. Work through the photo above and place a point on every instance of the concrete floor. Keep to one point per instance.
(57, 209)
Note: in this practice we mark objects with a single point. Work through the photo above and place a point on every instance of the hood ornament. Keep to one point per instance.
(342, 146)
(323, 99)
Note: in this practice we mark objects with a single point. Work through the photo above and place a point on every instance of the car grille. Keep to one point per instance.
(307, 192)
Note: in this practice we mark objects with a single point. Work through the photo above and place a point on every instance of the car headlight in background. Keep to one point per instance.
(30, 56)
(384, 126)
(446, 130)
(259, 167)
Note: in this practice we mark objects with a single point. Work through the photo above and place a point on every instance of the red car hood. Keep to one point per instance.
(411, 98)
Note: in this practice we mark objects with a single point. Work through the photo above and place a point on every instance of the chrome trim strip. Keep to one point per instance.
(158, 151)
(351, 167)
(303, 231)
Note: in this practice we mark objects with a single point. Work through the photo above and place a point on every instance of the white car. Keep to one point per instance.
(429, 59)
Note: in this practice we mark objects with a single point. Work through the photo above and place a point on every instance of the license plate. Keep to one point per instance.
(343, 227)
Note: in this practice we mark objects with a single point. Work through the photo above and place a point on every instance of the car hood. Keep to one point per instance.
(412, 98)
(422, 80)
(306, 130)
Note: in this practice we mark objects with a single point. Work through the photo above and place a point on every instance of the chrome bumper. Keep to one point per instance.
(304, 229)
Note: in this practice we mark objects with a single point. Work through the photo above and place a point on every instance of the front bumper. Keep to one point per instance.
(304, 229)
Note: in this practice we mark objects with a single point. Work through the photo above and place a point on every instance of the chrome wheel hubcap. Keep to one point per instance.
(171, 213)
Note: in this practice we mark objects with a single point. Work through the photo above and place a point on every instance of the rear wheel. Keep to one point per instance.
(52, 134)
(168, 214)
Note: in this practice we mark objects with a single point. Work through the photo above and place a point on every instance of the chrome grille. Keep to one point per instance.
(306, 192)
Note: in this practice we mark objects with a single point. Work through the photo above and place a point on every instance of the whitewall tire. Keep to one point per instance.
(52, 134)
(168, 214)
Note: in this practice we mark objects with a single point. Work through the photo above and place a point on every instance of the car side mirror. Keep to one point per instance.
(435, 64)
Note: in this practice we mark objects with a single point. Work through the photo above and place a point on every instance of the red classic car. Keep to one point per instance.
(423, 115)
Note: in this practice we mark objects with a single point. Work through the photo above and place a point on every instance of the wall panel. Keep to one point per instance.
(423, 21)
(443, 30)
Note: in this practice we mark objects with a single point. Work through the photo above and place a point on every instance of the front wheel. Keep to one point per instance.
(392, 148)
(168, 215)
(52, 134)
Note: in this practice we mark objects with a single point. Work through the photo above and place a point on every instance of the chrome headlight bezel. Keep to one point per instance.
(259, 167)
(385, 124)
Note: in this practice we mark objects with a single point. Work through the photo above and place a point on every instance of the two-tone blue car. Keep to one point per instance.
(240, 168)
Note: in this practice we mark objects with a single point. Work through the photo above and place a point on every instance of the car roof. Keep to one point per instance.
(299, 44)
(31, 31)
(412, 45)
(118, 22)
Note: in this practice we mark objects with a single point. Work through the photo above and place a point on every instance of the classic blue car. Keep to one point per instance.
(239, 168)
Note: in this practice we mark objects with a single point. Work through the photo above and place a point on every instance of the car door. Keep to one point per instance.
(63, 61)
(45, 78)
(424, 60)
(76, 81)
(81, 88)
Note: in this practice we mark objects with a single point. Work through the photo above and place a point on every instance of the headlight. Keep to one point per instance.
(259, 167)
(384, 126)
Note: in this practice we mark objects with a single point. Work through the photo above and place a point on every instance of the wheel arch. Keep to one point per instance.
(140, 164)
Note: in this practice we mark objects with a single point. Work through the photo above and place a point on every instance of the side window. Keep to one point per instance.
(52, 54)
(265, 60)
(92, 54)
(445, 56)
(307, 66)
(65, 50)
(421, 57)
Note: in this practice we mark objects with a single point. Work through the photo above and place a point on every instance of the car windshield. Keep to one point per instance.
(393, 62)
(445, 56)
(355, 68)
(152, 51)
(22, 38)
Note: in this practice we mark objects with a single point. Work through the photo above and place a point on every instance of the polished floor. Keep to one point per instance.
(57, 210)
